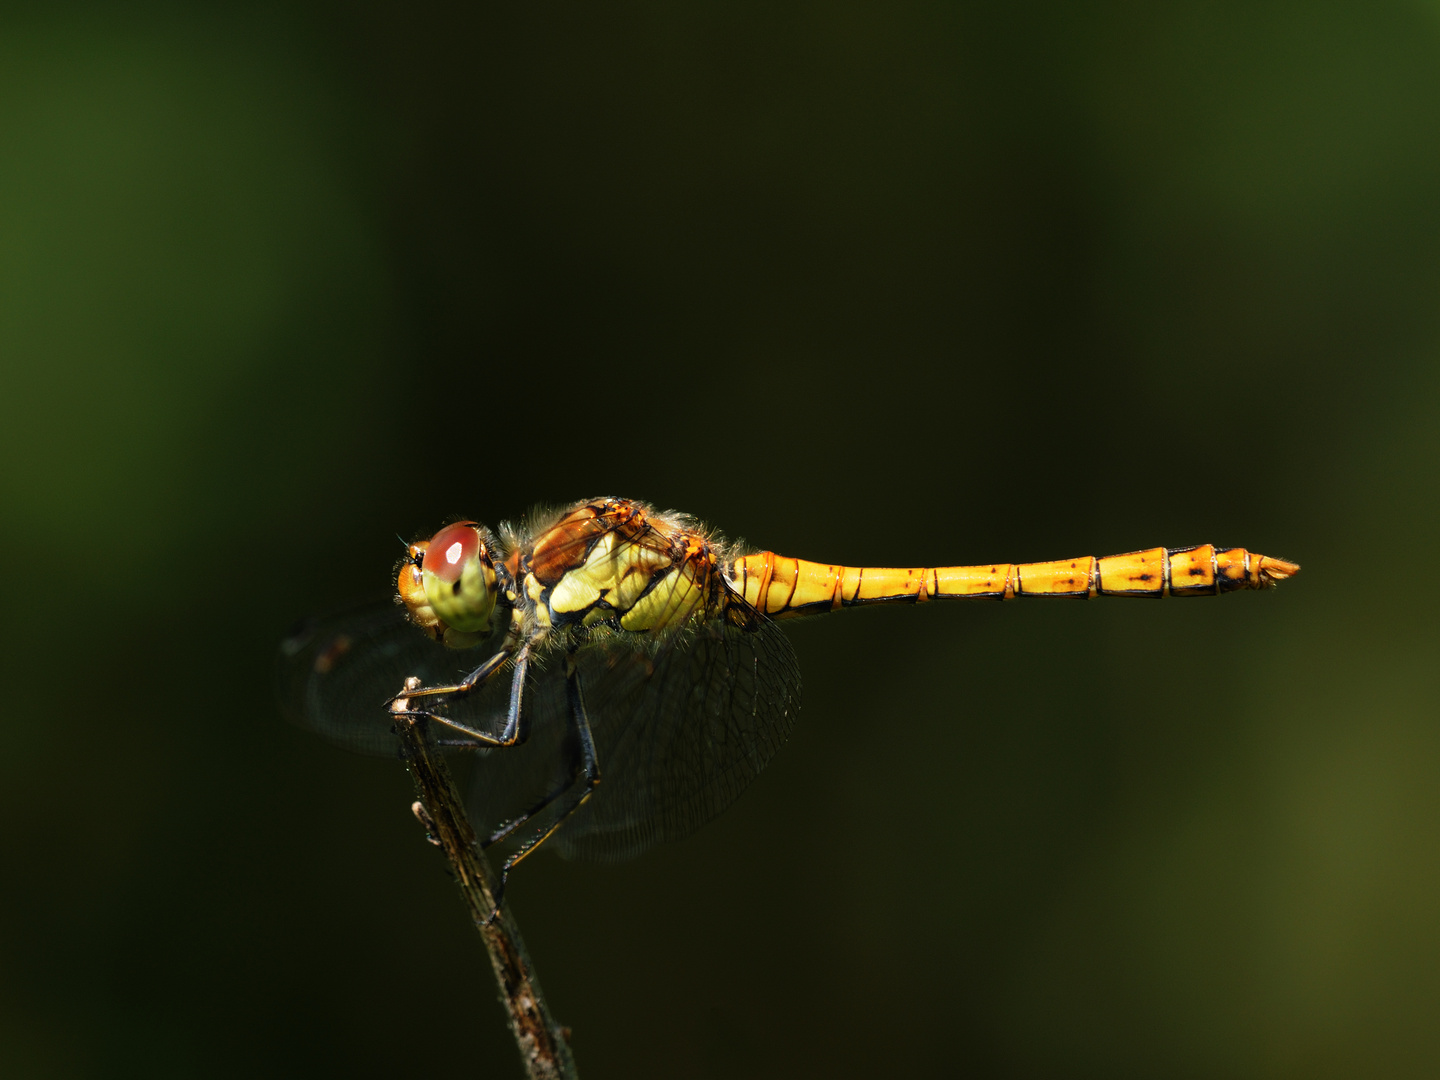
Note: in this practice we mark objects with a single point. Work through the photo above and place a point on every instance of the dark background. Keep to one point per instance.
(896, 283)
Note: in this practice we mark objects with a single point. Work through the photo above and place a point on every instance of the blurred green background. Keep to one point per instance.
(906, 283)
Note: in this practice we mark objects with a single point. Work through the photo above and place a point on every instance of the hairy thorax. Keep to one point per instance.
(616, 564)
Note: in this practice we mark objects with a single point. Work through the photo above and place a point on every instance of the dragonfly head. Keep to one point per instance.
(448, 583)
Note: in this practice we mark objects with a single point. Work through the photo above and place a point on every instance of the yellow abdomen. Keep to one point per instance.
(781, 586)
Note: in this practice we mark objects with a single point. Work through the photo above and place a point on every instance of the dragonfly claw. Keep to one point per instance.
(399, 704)
(499, 898)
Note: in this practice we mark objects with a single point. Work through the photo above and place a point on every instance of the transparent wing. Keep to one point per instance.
(335, 674)
(679, 734)
(680, 731)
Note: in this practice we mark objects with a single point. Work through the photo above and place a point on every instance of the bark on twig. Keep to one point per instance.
(542, 1041)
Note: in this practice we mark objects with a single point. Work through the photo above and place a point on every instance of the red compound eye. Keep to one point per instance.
(450, 549)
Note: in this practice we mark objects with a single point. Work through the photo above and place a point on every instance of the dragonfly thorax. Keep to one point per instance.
(448, 583)
(617, 565)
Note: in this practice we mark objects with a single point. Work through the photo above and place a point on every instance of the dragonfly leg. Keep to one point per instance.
(583, 763)
(587, 773)
(578, 759)
(517, 727)
(517, 724)
(516, 822)
(476, 679)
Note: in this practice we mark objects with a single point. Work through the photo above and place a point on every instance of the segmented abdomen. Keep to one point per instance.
(781, 586)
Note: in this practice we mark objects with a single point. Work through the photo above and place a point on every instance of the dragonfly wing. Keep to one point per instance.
(335, 675)
(679, 731)
(680, 734)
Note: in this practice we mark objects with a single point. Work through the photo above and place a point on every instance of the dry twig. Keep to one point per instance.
(542, 1041)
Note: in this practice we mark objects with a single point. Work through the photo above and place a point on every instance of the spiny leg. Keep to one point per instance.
(577, 765)
(589, 773)
(517, 727)
(476, 679)
(507, 828)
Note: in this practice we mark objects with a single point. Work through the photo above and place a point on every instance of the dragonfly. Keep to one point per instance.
(620, 674)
